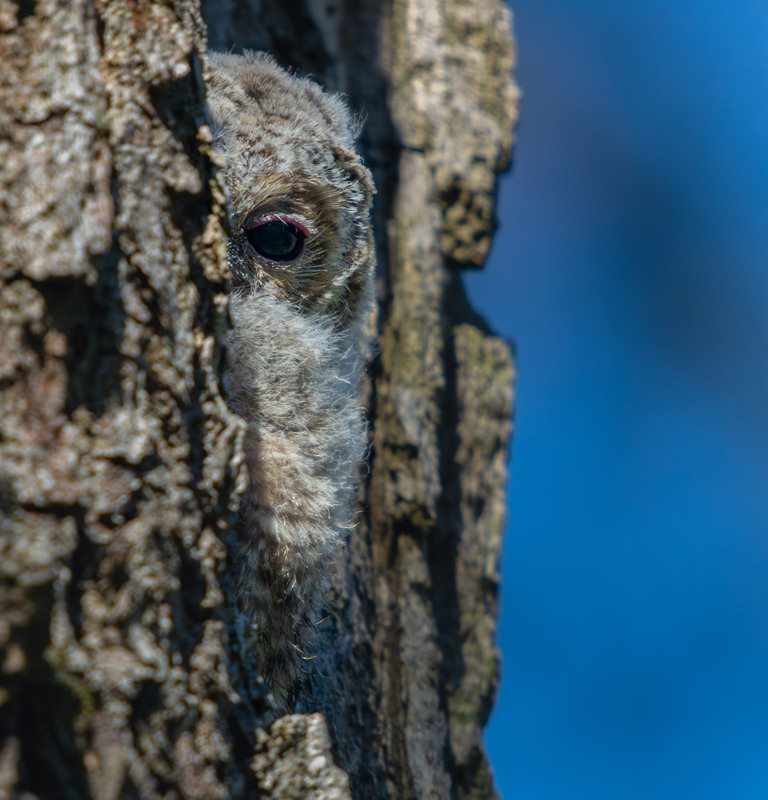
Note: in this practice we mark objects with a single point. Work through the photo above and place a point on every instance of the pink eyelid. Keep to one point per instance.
(280, 218)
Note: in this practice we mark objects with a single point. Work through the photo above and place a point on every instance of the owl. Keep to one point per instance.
(301, 262)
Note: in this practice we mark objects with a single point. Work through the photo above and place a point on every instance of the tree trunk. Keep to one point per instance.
(122, 671)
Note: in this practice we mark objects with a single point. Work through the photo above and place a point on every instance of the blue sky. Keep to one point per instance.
(631, 270)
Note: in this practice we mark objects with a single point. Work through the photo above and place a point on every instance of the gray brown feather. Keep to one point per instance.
(298, 342)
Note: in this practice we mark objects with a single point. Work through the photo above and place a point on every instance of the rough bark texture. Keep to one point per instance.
(119, 457)
(121, 667)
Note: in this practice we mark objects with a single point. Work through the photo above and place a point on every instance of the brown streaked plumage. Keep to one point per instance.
(301, 256)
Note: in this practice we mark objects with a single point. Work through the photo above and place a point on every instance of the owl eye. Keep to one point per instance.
(277, 239)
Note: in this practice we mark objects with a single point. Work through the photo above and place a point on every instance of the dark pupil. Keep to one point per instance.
(277, 240)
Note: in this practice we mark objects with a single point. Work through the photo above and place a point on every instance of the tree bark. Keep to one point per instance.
(120, 460)
(122, 670)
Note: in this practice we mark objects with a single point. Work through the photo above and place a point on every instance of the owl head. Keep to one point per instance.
(300, 195)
